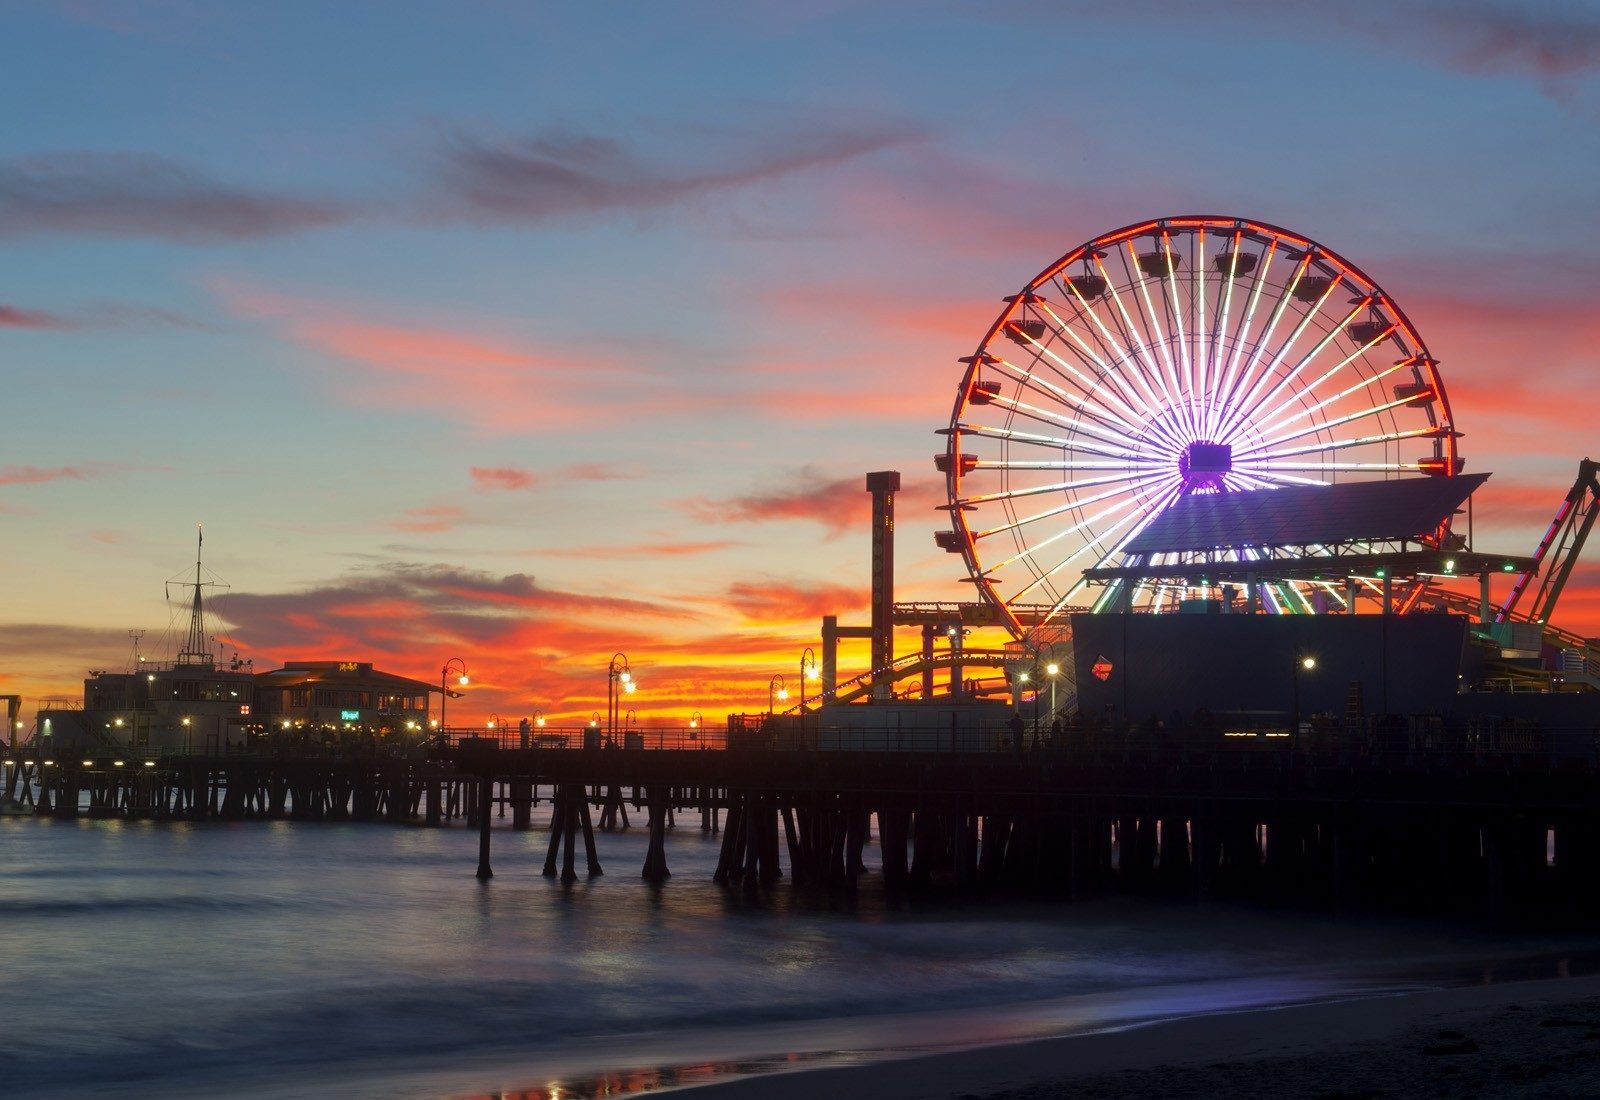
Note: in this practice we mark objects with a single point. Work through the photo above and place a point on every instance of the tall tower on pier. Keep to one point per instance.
(882, 485)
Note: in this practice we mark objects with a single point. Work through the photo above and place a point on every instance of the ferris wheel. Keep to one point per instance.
(1180, 356)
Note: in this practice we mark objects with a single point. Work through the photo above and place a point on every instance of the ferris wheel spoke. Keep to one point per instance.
(1106, 552)
(1318, 467)
(1081, 402)
(1054, 419)
(1158, 334)
(1065, 464)
(1089, 386)
(1273, 475)
(1219, 326)
(1259, 351)
(1348, 418)
(1271, 424)
(1070, 506)
(1247, 411)
(1257, 454)
(1035, 490)
(1148, 409)
(1241, 339)
(1171, 284)
(1242, 409)
(1030, 553)
(1055, 442)
(1201, 359)
(1150, 402)
(1142, 346)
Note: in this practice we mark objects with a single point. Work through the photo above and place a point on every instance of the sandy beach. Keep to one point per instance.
(1513, 1039)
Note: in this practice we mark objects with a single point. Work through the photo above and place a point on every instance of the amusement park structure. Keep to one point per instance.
(1212, 416)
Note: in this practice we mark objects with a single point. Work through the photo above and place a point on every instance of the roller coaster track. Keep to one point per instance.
(913, 664)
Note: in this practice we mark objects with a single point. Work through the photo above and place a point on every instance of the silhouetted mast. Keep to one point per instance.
(194, 651)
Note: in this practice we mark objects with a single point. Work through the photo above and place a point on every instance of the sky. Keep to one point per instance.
(528, 334)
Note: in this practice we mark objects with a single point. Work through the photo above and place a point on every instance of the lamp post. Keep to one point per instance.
(444, 690)
(1052, 670)
(617, 673)
(1302, 662)
(776, 692)
(694, 726)
(808, 672)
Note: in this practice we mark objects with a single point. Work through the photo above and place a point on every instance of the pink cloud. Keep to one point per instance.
(38, 475)
(838, 504)
(502, 478)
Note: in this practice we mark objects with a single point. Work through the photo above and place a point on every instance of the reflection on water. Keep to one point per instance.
(285, 960)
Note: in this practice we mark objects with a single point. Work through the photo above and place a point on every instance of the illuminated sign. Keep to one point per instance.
(349, 716)
(1101, 669)
(244, 708)
(349, 666)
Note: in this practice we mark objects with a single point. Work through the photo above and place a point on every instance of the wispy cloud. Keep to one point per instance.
(493, 382)
(429, 519)
(140, 195)
(559, 175)
(17, 317)
(38, 475)
(838, 504)
(1552, 42)
(631, 550)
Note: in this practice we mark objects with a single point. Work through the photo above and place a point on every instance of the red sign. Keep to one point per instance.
(1101, 669)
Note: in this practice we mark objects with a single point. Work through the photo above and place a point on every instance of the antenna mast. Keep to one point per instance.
(195, 651)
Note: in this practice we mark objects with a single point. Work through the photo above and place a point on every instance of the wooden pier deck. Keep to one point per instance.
(1510, 837)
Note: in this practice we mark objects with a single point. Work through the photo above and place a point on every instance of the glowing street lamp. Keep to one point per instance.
(1303, 662)
(444, 691)
(776, 693)
(1052, 670)
(808, 672)
(619, 681)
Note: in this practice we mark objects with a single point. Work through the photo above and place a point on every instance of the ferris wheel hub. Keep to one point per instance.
(1204, 464)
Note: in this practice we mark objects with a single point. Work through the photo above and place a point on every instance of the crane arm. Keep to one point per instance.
(1562, 543)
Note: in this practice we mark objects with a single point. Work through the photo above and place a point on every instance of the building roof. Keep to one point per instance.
(348, 673)
(1303, 515)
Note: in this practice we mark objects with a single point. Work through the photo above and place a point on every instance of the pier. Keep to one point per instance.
(1497, 833)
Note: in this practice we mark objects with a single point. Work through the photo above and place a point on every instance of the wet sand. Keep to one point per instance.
(1514, 1039)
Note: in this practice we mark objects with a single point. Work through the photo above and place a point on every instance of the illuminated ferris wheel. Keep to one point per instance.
(1180, 356)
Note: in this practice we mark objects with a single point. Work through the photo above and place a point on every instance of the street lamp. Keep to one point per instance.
(808, 672)
(1303, 662)
(1052, 670)
(444, 692)
(618, 675)
(494, 721)
(538, 719)
(776, 692)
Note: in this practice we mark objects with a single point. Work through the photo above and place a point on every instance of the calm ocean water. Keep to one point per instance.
(288, 960)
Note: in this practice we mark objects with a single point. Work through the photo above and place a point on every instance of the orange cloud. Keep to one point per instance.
(783, 602)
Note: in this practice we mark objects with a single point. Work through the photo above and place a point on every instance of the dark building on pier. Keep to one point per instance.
(340, 695)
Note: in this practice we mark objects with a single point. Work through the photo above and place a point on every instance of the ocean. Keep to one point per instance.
(264, 959)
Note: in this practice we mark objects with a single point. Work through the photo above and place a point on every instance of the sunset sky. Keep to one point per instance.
(529, 333)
